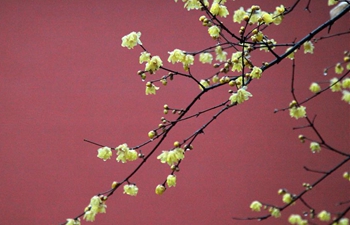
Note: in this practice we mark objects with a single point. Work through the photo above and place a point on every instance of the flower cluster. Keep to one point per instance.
(125, 153)
(97, 205)
(172, 157)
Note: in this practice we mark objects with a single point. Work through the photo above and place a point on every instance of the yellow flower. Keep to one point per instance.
(294, 219)
(343, 221)
(315, 147)
(256, 72)
(144, 57)
(218, 10)
(275, 212)
(335, 84)
(278, 14)
(125, 153)
(315, 87)
(346, 83)
(214, 32)
(338, 68)
(73, 222)
(267, 18)
(324, 216)
(308, 47)
(171, 180)
(205, 58)
(154, 64)
(131, 40)
(346, 176)
(176, 56)
(238, 15)
(171, 157)
(255, 206)
(287, 198)
(104, 153)
(89, 216)
(220, 55)
(241, 96)
(297, 112)
(187, 61)
(204, 83)
(151, 88)
(160, 189)
(95, 203)
(332, 2)
(193, 4)
(346, 96)
(131, 189)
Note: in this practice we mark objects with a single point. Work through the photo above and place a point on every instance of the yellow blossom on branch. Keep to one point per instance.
(308, 47)
(346, 83)
(256, 72)
(294, 219)
(346, 96)
(125, 153)
(171, 157)
(315, 147)
(154, 64)
(335, 84)
(73, 222)
(131, 189)
(324, 215)
(241, 96)
(160, 189)
(315, 87)
(297, 111)
(176, 56)
(205, 58)
(171, 180)
(104, 153)
(131, 40)
(239, 15)
(255, 206)
(275, 212)
(144, 57)
(338, 68)
(214, 31)
(151, 88)
(220, 55)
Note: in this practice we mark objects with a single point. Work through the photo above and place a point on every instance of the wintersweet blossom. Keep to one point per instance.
(342, 221)
(187, 61)
(95, 202)
(204, 83)
(256, 72)
(171, 157)
(176, 56)
(308, 47)
(151, 88)
(125, 153)
(278, 14)
(291, 55)
(287, 198)
(104, 153)
(194, 4)
(131, 40)
(218, 10)
(315, 147)
(275, 212)
(315, 87)
(324, 215)
(205, 57)
(144, 57)
(220, 55)
(89, 216)
(160, 189)
(131, 189)
(297, 111)
(346, 175)
(240, 96)
(332, 2)
(338, 68)
(346, 96)
(73, 222)
(335, 85)
(171, 180)
(294, 219)
(267, 18)
(154, 64)
(239, 15)
(346, 83)
(214, 32)
(255, 206)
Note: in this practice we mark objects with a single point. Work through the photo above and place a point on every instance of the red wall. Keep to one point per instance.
(65, 77)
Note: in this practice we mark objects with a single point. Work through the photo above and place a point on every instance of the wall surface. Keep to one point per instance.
(66, 78)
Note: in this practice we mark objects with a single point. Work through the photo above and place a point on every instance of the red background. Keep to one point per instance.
(65, 77)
